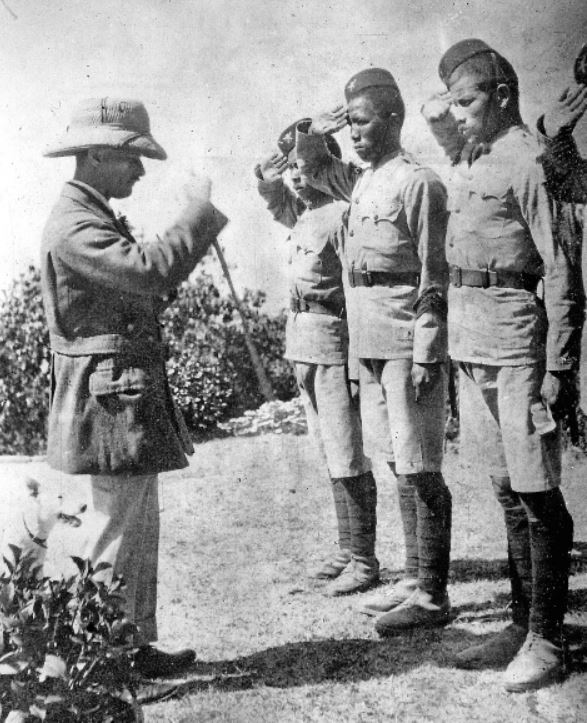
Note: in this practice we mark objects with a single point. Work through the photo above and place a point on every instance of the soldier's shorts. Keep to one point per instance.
(333, 417)
(397, 427)
(505, 407)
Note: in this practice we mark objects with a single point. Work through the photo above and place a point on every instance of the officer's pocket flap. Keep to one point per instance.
(130, 380)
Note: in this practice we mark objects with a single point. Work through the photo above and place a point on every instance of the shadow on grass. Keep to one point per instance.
(473, 570)
(346, 661)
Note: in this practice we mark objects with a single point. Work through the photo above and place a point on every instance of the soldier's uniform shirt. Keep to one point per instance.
(505, 338)
(501, 220)
(318, 343)
(397, 225)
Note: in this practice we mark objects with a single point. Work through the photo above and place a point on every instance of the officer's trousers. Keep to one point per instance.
(125, 533)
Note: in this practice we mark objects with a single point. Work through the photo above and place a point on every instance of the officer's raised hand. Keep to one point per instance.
(423, 377)
(565, 112)
(329, 121)
(197, 188)
(273, 166)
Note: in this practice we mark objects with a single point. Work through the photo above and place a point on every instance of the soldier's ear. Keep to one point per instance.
(503, 95)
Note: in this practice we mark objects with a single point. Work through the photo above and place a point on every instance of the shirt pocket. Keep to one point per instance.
(489, 209)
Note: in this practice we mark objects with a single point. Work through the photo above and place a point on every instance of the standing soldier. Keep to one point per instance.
(317, 344)
(112, 415)
(398, 277)
(515, 349)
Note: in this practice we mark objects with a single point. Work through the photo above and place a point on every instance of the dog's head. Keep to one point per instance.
(44, 510)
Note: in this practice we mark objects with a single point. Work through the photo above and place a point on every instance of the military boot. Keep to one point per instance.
(363, 571)
(338, 561)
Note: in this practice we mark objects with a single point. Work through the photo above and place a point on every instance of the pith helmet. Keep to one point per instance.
(108, 123)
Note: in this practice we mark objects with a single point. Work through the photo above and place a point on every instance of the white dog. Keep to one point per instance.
(31, 520)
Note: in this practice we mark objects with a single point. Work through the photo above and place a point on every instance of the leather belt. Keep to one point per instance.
(298, 305)
(363, 277)
(484, 278)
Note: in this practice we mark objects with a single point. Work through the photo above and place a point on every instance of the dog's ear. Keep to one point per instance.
(33, 486)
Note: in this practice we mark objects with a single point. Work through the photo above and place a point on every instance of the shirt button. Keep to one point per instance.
(130, 328)
(376, 217)
(351, 233)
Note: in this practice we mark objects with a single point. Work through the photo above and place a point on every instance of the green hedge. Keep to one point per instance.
(210, 371)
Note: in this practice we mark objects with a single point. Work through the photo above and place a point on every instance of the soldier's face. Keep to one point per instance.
(369, 131)
(120, 170)
(474, 108)
(299, 182)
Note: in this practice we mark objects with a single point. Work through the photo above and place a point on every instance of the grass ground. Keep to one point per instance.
(240, 529)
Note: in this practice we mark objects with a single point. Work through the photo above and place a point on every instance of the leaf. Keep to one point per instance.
(54, 667)
(101, 566)
(79, 563)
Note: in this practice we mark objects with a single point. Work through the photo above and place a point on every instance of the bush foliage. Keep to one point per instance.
(210, 372)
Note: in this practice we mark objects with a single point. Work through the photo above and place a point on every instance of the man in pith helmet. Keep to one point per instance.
(317, 344)
(397, 276)
(112, 415)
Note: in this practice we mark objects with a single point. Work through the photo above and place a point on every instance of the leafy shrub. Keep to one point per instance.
(211, 374)
(24, 367)
(67, 646)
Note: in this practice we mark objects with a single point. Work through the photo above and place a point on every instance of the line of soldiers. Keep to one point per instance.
(414, 273)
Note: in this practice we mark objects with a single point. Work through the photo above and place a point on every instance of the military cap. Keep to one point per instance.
(369, 78)
(108, 123)
(464, 50)
(287, 140)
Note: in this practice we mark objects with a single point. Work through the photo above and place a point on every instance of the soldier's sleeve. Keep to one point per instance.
(562, 296)
(94, 248)
(424, 200)
(326, 172)
(282, 202)
(445, 131)
(565, 170)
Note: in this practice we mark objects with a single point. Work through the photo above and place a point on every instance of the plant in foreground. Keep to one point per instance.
(66, 647)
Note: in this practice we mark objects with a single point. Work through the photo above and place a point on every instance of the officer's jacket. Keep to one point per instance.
(111, 409)
(397, 224)
(501, 220)
(315, 275)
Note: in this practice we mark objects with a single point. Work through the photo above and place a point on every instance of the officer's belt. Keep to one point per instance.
(316, 307)
(484, 278)
(363, 277)
(106, 344)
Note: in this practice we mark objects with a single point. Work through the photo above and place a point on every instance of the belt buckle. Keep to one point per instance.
(456, 277)
(488, 278)
(367, 277)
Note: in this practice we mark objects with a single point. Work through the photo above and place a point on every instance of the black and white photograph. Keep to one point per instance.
(293, 384)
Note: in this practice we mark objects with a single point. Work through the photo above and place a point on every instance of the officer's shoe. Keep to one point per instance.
(495, 652)
(538, 663)
(332, 567)
(418, 611)
(390, 597)
(153, 663)
(361, 574)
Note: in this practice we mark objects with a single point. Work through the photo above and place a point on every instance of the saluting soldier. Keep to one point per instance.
(397, 277)
(317, 344)
(516, 350)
